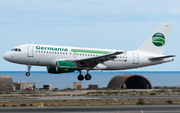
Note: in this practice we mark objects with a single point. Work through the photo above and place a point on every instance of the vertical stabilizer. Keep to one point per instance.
(157, 41)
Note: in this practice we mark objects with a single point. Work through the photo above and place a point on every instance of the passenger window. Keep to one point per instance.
(41, 51)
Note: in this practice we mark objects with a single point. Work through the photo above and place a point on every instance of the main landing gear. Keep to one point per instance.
(81, 77)
(29, 68)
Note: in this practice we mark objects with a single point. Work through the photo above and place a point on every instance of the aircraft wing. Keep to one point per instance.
(161, 57)
(93, 61)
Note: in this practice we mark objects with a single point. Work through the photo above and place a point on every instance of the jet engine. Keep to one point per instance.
(62, 67)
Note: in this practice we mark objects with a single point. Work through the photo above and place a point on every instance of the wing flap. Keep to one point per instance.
(93, 61)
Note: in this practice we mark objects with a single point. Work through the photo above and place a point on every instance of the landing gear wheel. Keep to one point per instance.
(88, 77)
(29, 68)
(80, 77)
(27, 74)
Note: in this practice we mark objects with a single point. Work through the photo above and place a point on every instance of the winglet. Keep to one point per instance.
(120, 52)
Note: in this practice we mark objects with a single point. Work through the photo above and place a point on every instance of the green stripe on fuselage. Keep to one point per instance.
(90, 51)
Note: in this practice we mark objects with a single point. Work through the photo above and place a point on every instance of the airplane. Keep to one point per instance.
(62, 59)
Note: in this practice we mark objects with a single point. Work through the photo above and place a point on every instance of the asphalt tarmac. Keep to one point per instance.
(88, 98)
(95, 109)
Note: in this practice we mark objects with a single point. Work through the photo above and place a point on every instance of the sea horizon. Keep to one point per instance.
(60, 81)
(92, 71)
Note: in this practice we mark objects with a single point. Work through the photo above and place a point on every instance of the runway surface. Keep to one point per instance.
(96, 109)
(87, 98)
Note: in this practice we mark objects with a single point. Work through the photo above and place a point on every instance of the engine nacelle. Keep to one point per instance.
(62, 67)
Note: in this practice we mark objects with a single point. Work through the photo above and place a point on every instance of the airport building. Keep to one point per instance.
(24, 85)
(6, 83)
(47, 86)
(77, 85)
(93, 87)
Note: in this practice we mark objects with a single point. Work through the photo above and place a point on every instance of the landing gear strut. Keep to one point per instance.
(80, 77)
(29, 68)
(87, 76)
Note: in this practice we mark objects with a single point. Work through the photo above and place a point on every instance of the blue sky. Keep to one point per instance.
(113, 24)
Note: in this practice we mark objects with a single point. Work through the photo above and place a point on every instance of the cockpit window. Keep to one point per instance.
(16, 49)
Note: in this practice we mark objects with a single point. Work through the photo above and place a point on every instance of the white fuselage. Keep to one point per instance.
(47, 55)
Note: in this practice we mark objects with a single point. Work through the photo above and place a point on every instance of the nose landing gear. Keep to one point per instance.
(27, 74)
(29, 68)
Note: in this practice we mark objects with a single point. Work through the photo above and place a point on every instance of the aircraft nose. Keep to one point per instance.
(6, 56)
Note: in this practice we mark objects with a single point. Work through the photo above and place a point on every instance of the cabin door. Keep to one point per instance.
(30, 51)
(135, 58)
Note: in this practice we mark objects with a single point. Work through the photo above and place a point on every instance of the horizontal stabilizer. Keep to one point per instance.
(161, 57)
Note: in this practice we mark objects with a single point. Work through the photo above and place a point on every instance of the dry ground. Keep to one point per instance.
(90, 102)
(43, 93)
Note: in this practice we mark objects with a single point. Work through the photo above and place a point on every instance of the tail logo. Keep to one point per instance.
(158, 39)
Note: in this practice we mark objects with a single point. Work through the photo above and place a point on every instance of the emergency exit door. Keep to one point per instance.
(135, 58)
(74, 54)
(30, 51)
